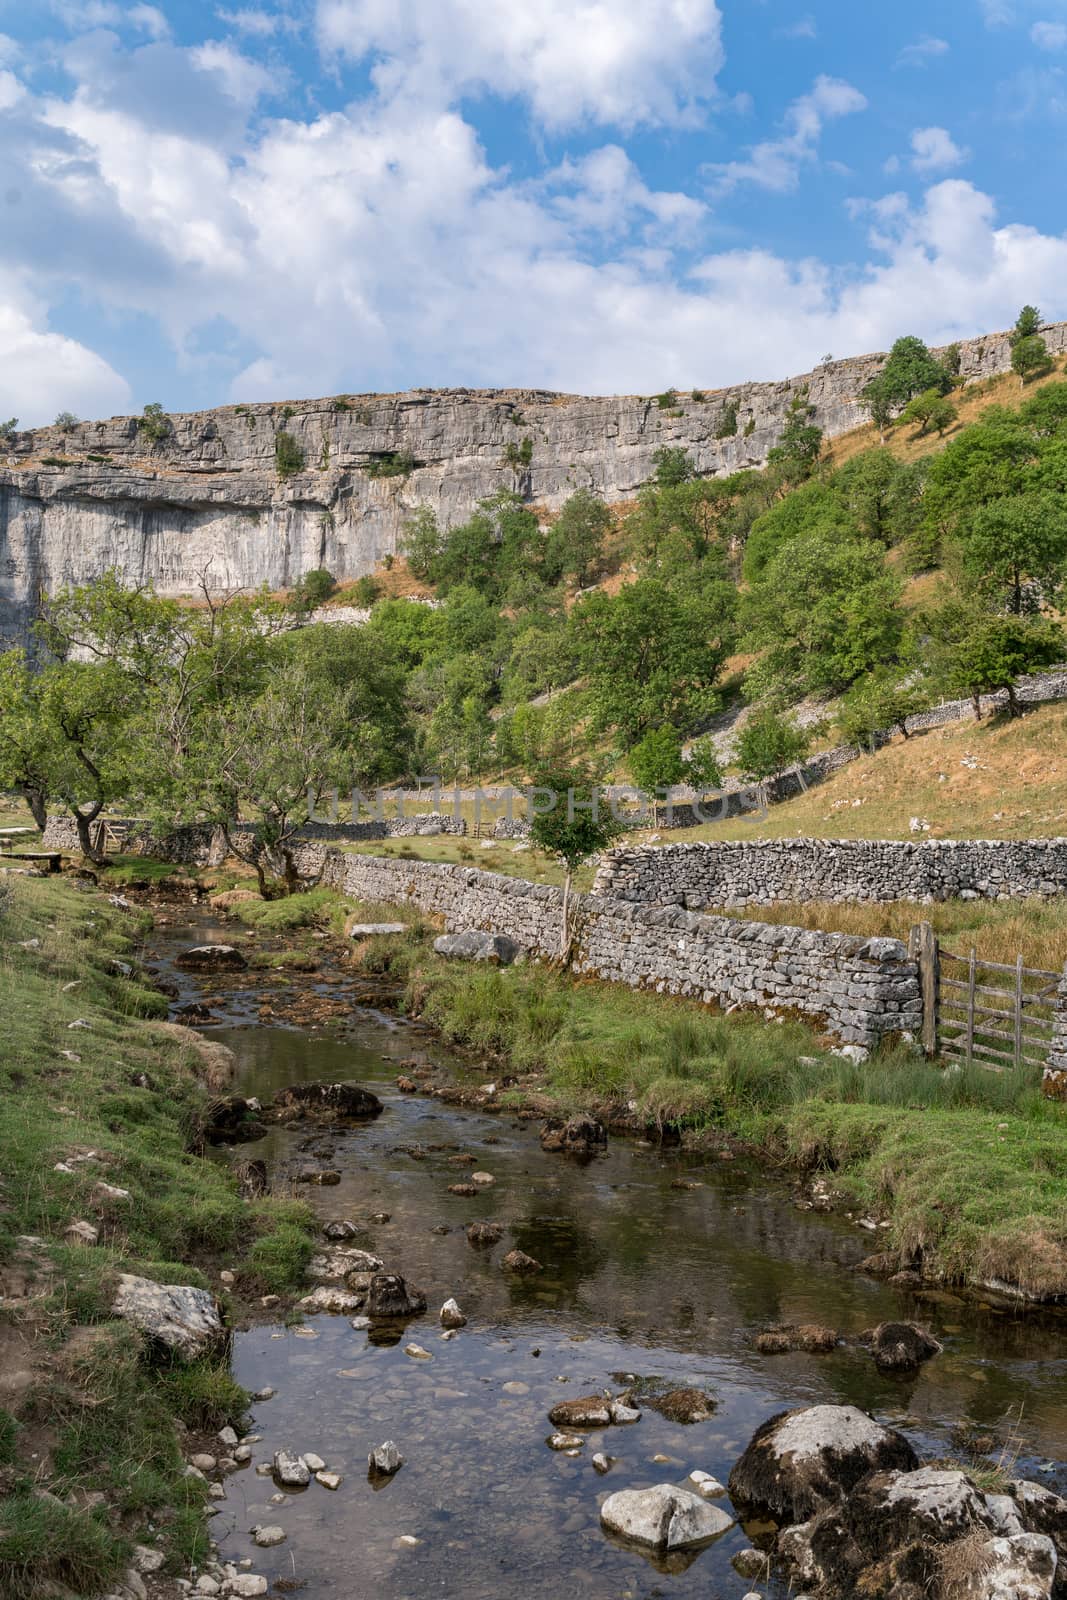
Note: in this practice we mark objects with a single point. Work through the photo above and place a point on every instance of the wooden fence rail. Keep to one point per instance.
(983, 1012)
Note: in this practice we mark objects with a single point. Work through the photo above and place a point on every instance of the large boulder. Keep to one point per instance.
(588, 1411)
(664, 1517)
(211, 958)
(185, 1320)
(901, 1346)
(347, 1102)
(582, 1135)
(473, 945)
(389, 1299)
(1042, 1511)
(800, 1461)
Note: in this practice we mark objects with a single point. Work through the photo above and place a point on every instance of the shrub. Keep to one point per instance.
(395, 464)
(367, 590)
(154, 423)
(288, 456)
(667, 400)
(66, 419)
(727, 422)
(313, 589)
(9, 428)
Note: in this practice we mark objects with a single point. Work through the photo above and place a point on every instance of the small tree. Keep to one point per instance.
(656, 760)
(421, 542)
(65, 420)
(800, 441)
(575, 543)
(577, 825)
(995, 651)
(727, 427)
(313, 589)
(930, 410)
(767, 745)
(154, 423)
(288, 456)
(1027, 324)
(703, 770)
(27, 746)
(878, 704)
(667, 400)
(9, 428)
(673, 465)
(1030, 358)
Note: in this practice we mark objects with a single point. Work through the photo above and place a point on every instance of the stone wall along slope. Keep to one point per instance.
(770, 871)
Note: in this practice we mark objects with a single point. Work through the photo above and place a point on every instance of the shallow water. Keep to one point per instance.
(640, 1278)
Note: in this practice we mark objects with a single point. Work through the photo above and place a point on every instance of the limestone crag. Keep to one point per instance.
(206, 499)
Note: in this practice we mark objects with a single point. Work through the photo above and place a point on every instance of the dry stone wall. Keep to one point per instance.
(859, 991)
(199, 844)
(770, 871)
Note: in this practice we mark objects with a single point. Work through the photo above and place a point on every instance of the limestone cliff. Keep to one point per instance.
(207, 498)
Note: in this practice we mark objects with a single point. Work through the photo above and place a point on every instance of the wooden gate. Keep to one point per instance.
(983, 1012)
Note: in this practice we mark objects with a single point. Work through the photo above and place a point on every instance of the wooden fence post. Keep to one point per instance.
(923, 947)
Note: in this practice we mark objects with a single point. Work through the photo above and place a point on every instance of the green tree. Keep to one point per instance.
(879, 703)
(883, 496)
(288, 456)
(800, 441)
(673, 465)
(930, 410)
(273, 758)
(575, 544)
(910, 370)
(87, 713)
(652, 655)
(154, 423)
(1027, 324)
(9, 428)
(703, 770)
(825, 611)
(727, 427)
(767, 745)
(65, 420)
(656, 759)
(1030, 359)
(27, 744)
(990, 653)
(1010, 540)
(811, 508)
(421, 542)
(570, 820)
(313, 589)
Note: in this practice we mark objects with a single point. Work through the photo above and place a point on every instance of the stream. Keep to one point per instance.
(641, 1279)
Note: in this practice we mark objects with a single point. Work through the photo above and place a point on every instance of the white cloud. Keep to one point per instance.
(245, 81)
(1049, 35)
(997, 13)
(378, 247)
(257, 24)
(934, 150)
(607, 61)
(42, 372)
(110, 14)
(775, 163)
(804, 28)
(922, 52)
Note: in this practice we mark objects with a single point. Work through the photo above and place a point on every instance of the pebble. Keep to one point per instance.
(278, 1499)
(406, 1541)
(622, 1415)
(206, 1585)
(484, 1180)
(603, 1463)
(267, 1537)
(706, 1485)
(449, 1333)
(242, 1454)
(247, 1585)
(203, 1462)
(216, 1491)
(417, 1353)
(228, 1437)
(360, 1323)
(313, 1463)
(329, 1480)
(227, 1277)
(564, 1441)
(263, 1394)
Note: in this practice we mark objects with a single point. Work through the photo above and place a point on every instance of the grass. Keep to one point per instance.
(491, 855)
(1016, 788)
(100, 1413)
(968, 1167)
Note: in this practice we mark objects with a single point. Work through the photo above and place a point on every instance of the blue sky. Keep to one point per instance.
(208, 203)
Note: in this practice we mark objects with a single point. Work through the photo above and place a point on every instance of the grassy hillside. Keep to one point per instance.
(1001, 778)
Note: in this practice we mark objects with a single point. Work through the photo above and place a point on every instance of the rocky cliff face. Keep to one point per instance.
(207, 500)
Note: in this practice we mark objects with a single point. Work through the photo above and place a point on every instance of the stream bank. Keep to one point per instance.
(657, 1269)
